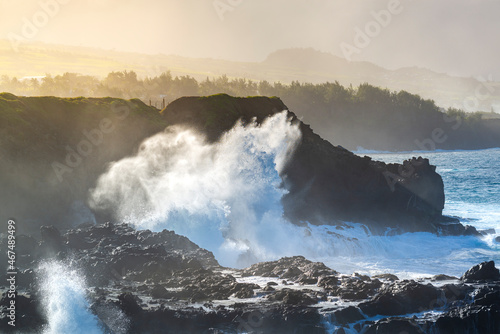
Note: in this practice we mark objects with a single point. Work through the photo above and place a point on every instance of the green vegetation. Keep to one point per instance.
(363, 116)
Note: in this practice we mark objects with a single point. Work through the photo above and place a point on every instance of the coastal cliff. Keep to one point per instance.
(53, 151)
(328, 184)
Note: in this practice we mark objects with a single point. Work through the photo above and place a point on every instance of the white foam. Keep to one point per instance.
(225, 197)
(64, 298)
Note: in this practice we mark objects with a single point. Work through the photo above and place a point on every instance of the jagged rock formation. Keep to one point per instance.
(160, 282)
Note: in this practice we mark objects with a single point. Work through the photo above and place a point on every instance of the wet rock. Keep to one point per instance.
(406, 326)
(129, 304)
(30, 316)
(296, 268)
(387, 277)
(292, 297)
(488, 231)
(402, 298)
(244, 290)
(487, 296)
(291, 273)
(26, 278)
(348, 315)
(160, 292)
(455, 228)
(469, 319)
(454, 292)
(51, 243)
(268, 288)
(25, 245)
(328, 282)
(442, 277)
(355, 289)
(485, 271)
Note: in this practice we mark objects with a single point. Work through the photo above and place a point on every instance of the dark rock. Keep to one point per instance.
(469, 319)
(328, 282)
(406, 326)
(455, 228)
(296, 268)
(488, 231)
(51, 243)
(242, 290)
(353, 288)
(362, 277)
(268, 288)
(292, 297)
(388, 277)
(485, 271)
(51, 235)
(401, 298)
(26, 278)
(30, 316)
(291, 273)
(442, 277)
(129, 304)
(160, 292)
(348, 315)
(25, 245)
(497, 239)
(453, 292)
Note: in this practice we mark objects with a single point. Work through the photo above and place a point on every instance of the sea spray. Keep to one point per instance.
(64, 299)
(224, 196)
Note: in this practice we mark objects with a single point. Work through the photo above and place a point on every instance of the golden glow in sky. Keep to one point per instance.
(453, 36)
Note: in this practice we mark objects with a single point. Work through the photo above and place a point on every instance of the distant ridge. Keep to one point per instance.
(304, 65)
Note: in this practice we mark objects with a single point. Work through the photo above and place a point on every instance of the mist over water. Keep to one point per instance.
(64, 299)
(226, 198)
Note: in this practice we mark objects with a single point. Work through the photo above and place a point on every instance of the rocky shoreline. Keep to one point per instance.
(160, 282)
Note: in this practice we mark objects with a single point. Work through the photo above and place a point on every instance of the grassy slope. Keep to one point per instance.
(36, 132)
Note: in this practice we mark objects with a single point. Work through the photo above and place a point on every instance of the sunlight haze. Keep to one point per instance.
(453, 36)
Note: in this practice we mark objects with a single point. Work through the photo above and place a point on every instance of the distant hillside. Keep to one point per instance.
(304, 65)
(308, 65)
(364, 116)
(377, 119)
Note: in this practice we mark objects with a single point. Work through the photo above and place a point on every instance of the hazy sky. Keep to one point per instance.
(453, 36)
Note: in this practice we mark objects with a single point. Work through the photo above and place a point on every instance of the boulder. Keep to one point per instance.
(292, 297)
(348, 315)
(402, 298)
(485, 271)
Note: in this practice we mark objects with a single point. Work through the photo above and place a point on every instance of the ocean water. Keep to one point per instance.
(225, 198)
(472, 191)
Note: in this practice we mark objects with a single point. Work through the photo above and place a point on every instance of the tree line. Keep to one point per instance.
(365, 115)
